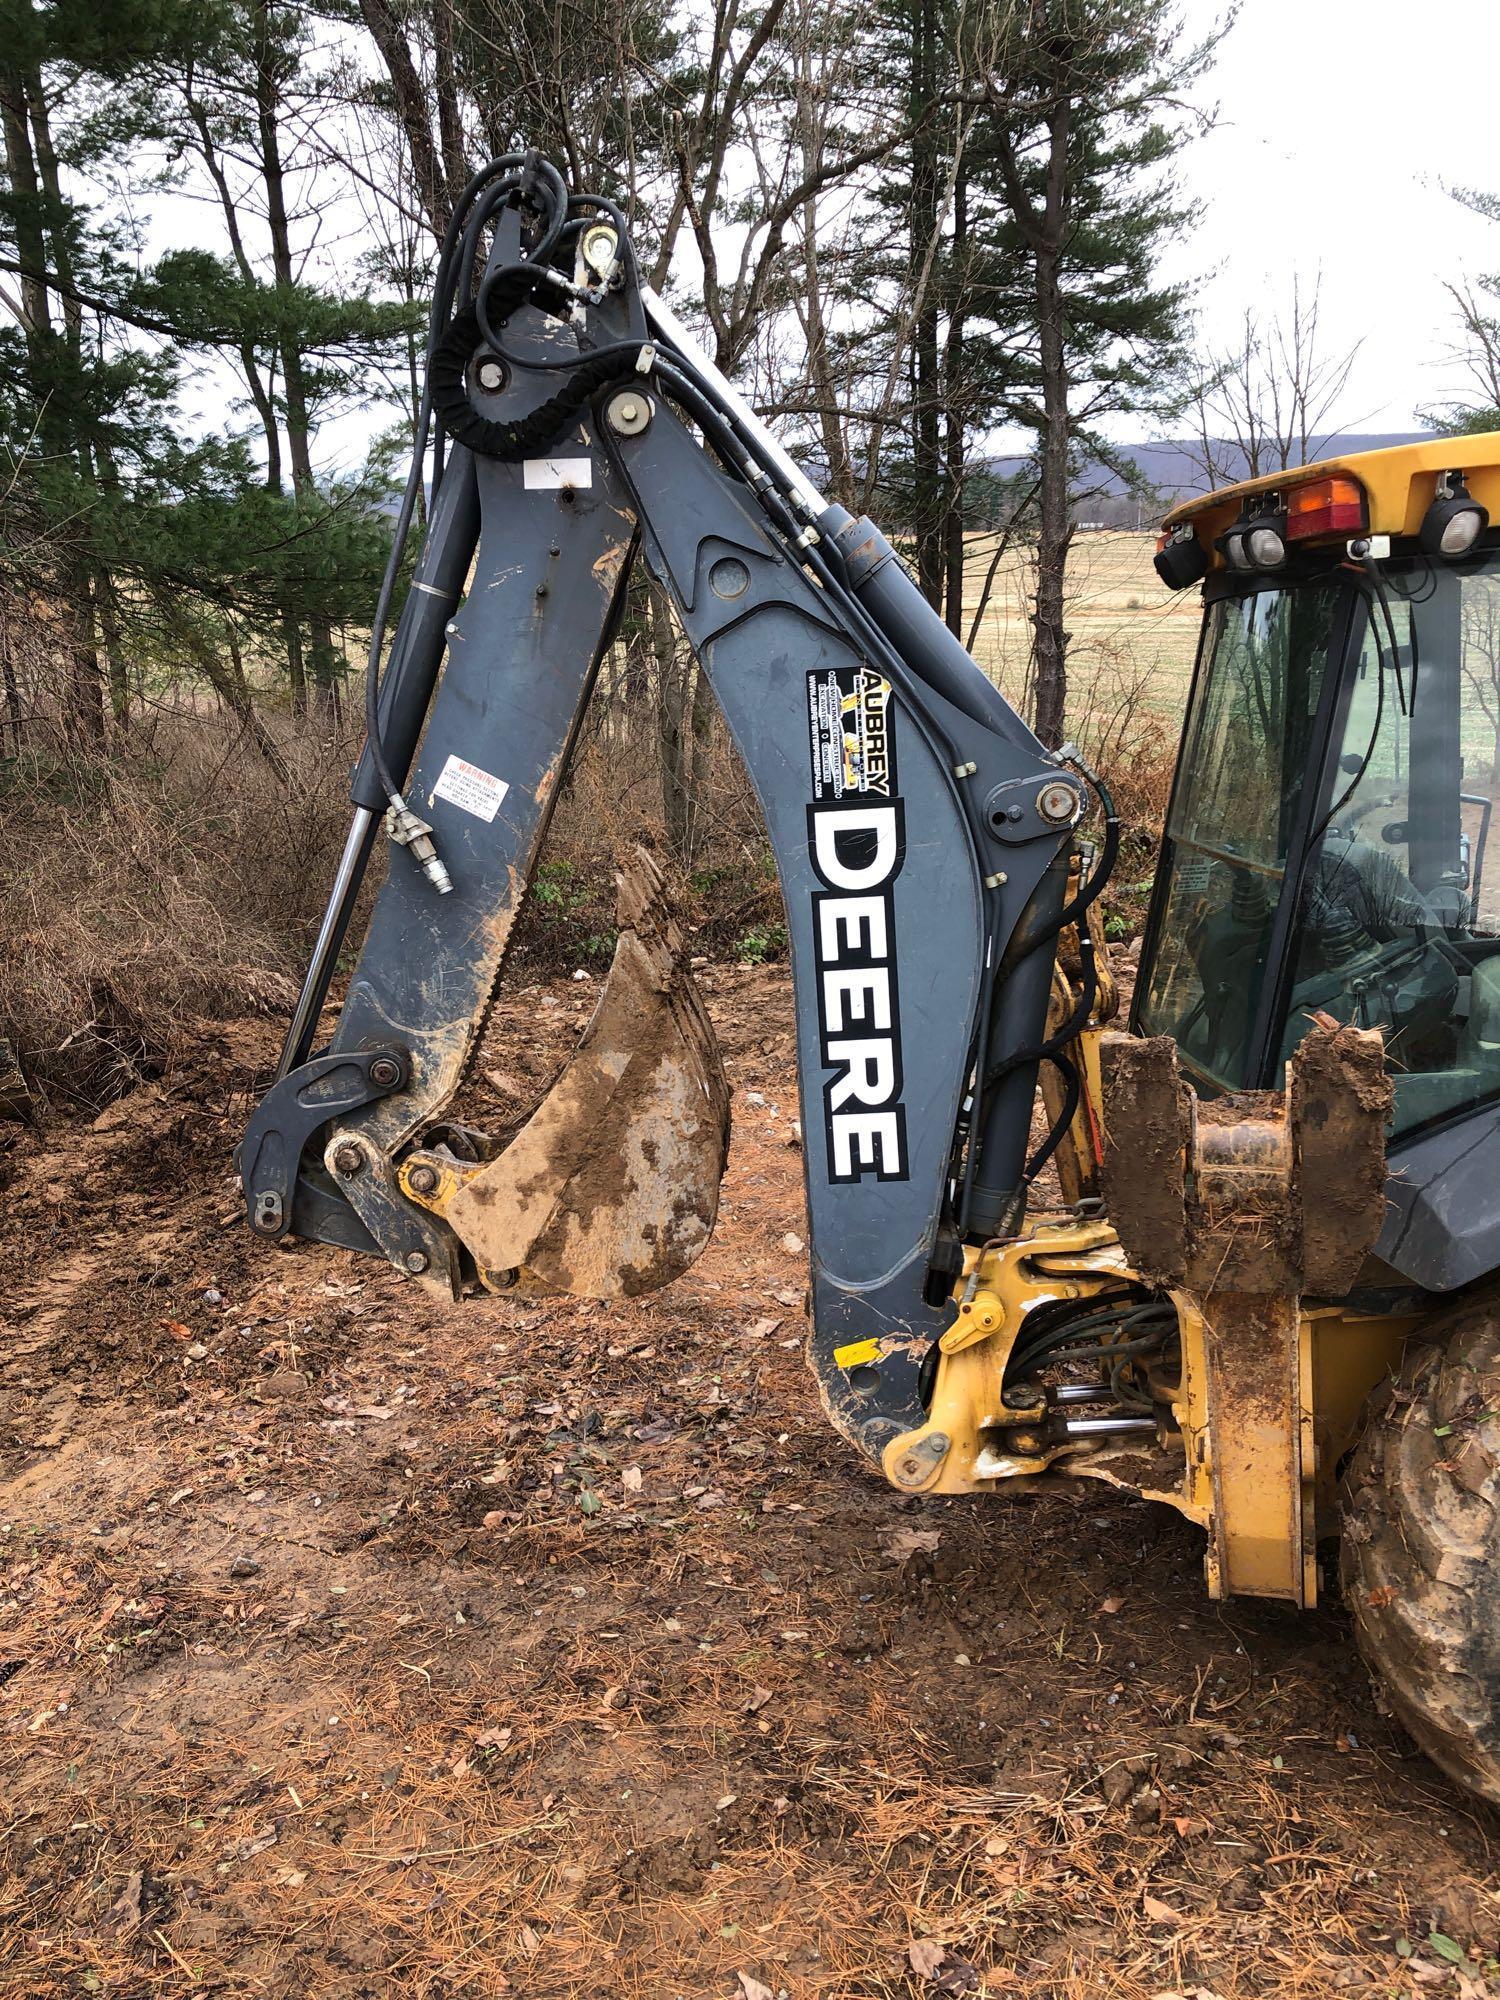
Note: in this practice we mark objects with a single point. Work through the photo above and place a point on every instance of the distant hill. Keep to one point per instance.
(1172, 469)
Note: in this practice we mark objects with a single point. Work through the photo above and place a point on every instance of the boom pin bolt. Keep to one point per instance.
(628, 413)
(348, 1160)
(422, 1180)
(416, 1262)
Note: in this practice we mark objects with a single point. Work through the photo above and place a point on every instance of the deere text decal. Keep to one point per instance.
(857, 840)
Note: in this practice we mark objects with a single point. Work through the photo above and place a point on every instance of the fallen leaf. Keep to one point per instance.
(256, 1843)
(630, 1479)
(1158, 1912)
(493, 1739)
(125, 1911)
(902, 1542)
(756, 1699)
(177, 1330)
(752, 1988)
(1112, 1605)
(942, 1967)
(290, 1878)
(792, 1244)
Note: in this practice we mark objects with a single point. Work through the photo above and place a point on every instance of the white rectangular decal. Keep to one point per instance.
(472, 790)
(542, 473)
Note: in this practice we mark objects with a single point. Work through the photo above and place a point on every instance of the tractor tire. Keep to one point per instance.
(1421, 1549)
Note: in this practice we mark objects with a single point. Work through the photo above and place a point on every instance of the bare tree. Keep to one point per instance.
(1268, 402)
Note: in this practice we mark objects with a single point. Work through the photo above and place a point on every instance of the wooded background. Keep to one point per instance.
(906, 229)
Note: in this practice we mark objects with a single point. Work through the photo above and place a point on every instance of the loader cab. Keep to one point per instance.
(1327, 849)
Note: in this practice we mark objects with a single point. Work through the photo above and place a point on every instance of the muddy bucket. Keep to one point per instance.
(611, 1188)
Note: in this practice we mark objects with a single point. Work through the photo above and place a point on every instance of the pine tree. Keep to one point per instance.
(1080, 104)
(148, 551)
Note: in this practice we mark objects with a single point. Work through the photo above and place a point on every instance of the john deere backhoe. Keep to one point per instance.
(1281, 1190)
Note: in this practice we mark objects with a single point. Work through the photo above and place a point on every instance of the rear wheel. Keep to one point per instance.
(1421, 1553)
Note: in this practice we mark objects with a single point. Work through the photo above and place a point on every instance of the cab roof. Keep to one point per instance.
(1398, 482)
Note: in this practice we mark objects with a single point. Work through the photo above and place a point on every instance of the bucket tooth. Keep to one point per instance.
(611, 1188)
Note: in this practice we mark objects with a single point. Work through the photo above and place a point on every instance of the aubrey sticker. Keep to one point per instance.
(851, 741)
(474, 791)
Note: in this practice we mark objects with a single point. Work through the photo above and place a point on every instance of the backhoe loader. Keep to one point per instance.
(1265, 1294)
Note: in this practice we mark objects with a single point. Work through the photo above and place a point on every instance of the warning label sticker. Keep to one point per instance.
(474, 791)
(849, 715)
(541, 475)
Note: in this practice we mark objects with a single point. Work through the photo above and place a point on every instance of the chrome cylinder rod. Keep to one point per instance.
(805, 496)
(1098, 1427)
(330, 937)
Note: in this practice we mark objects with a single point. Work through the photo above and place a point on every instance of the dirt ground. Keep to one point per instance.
(355, 1645)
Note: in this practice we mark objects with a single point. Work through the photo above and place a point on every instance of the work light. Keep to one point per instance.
(1181, 558)
(1256, 541)
(1454, 521)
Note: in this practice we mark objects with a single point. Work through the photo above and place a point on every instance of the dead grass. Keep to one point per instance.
(182, 879)
(176, 880)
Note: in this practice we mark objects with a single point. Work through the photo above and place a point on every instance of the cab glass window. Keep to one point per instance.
(1239, 800)
(1399, 914)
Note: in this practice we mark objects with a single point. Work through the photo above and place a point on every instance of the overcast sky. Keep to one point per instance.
(1342, 123)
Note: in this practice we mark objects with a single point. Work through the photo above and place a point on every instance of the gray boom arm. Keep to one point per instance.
(921, 837)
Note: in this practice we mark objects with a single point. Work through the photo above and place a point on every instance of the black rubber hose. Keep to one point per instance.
(442, 298)
(1064, 1119)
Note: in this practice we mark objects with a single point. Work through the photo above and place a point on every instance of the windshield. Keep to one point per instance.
(1245, 756)
(1397, 917)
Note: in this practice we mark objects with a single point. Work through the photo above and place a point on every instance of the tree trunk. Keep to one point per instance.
(107, 609)
(296, 672)
(1054, 528)
(925, 377)
(229, 684)
(324, 659)
(953, 417)
(38, 195)
(260, 388)
(13, 691)
(450, 125)
(411, 107)
(702, 736)
(674, 724)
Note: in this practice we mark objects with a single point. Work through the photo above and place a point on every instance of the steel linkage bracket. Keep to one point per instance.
(292, 1111)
